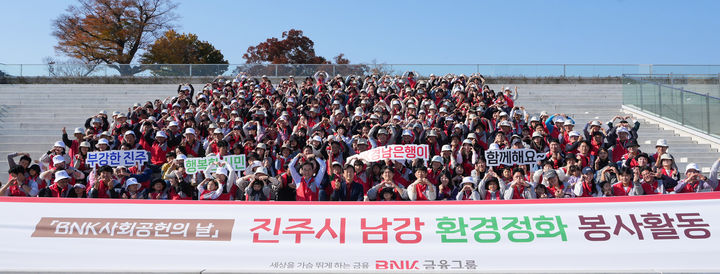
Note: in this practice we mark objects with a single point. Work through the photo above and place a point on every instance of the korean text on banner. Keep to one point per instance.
(195, 165)
(117, 158)
(509, 157)
(395, 152)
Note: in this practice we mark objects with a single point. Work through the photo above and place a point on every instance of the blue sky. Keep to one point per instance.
(426, 32)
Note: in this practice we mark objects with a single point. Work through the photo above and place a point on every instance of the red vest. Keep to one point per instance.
(305, 192)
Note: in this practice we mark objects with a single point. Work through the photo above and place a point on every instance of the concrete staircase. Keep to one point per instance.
(592, 102)
(32, 116)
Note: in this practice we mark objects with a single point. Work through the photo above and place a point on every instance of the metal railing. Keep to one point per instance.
(670, 97)
(301, 70)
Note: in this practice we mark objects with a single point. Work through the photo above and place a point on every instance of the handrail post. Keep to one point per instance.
(21, 67)
(641, 97)
(659, 106)
(564, 70)
(707, 111)
(190, 70)
(682, 107)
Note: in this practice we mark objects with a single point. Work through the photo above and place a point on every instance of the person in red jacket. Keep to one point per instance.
(61, 187)
(158, 147)
(19, 184)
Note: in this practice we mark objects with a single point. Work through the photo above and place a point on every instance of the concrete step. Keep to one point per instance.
(34, 139)
(33, 131)
(36, 125)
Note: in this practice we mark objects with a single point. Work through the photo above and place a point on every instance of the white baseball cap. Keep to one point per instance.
(102, 142)
(222, 171)
(189, 131)
(131, 181)
(60, 144)
(438, 159)
(468, 180)
(62, 174)
(58, 159)
(691, 166)
(160, 134)
(661, 143)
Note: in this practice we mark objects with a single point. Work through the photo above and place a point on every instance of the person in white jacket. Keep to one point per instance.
(422, 189)
(519, 188)
(491, 187)
(467, 190)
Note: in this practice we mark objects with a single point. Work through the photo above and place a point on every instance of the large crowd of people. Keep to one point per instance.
(299, 136)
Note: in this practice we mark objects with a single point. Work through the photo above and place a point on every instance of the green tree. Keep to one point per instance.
(176, 48)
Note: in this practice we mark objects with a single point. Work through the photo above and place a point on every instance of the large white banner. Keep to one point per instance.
(661, 233)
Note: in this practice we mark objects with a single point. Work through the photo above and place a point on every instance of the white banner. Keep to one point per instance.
(117, 158)
(658, 233)
(394, 152)
(195, 165)
(509, 157)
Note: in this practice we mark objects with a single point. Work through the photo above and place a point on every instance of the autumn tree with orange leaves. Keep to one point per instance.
(293, 48)
(112, 31)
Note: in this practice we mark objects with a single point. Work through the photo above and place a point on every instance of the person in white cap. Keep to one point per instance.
(98, 122)
(661, 148)
(78, 161)
(667, 167)
(226, 176)
(379, 136)
(129, 138)
(555, 124)
(491, 186)
(466, 157)
(60, 187)
(694, 181)
(159, 146)
(78, 191)
(59, 163)
(467, 190)
(79, 135)
(261, 186)
(102, 145)
(58, 149)
(190, 144)
(618, 141)
(133, 190)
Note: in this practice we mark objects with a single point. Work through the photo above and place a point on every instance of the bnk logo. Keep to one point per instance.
(396, 264)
